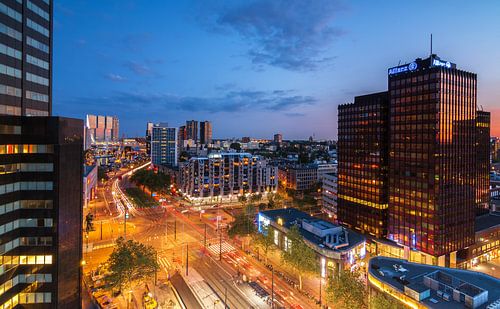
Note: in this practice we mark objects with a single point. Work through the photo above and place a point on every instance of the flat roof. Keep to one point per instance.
(487, 221)
(291, 216)
(470, 282)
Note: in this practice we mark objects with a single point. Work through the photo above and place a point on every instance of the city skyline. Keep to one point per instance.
(236, 64)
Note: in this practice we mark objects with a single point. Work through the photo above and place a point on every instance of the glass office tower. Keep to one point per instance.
(40, 168)
(362, 155)
(483, 162)
(432, 157)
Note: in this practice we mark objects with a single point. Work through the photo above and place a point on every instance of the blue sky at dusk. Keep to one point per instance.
(255, 68)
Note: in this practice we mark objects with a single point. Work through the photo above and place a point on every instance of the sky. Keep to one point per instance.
(255, 67)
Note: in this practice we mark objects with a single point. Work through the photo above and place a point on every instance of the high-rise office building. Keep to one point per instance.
(103, 128)
(278, 138)
(181, 136)
(362, 171)
(205, 132)
(432, 156)
(434, 176)
(164, 145)
(192, 130)
(40, 169)
(483, 162)
(149, 134)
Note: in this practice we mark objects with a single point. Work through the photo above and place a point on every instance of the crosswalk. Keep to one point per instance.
(215, 248)
(164, 263)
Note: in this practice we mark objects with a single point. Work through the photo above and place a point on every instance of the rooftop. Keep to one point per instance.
(291, 216)
(400, 273)
(487, 221)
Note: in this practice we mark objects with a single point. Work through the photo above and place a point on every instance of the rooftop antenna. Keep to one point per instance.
(431, 44)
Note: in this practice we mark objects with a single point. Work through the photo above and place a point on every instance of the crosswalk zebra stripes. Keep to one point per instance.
(216, 247)
(164, 263)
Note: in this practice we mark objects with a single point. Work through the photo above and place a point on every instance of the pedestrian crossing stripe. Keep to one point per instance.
(164, 262)
(216, 248)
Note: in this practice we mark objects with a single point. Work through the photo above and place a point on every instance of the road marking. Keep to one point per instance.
(216, 248)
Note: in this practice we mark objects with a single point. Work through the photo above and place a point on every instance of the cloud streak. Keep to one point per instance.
(289, 34)
(115, 77)
(229, 102)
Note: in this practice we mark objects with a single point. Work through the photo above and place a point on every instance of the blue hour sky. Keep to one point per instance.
(255, 67)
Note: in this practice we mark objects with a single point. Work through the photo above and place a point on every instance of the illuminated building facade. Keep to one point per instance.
(432, 157)
(299, 177)
(413, 162)
(205, 132)
(337, 248)
(227, 175)
(164, 145)
(362, 170)
(40, 169)
(192, 130)
(483, 162)
(102, 128)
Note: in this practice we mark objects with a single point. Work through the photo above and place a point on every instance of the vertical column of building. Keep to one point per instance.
(483, 162)
(432, 157)
(40, 168)
(362, 171)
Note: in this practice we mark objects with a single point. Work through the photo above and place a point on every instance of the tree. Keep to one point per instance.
(241, 226)
(148, 178)
(131, 262)
(274, 201)
(254, 198)
(235, 146)
(265, 239)
(101, 173)
(299, 256)
(242, 199)
(382, 301)
(346, 290)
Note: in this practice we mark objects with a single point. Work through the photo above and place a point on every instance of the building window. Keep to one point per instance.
(36, 9)
(11, 12)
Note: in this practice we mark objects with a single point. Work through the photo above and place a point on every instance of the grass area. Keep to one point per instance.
(140, 198)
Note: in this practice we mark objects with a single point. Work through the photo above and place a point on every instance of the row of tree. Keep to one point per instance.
(155, 182)
(345, 290)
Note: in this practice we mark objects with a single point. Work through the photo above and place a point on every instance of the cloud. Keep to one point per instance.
(289, 34)
(295, 114)
(229, 102)
(139, 68)
(115, 77)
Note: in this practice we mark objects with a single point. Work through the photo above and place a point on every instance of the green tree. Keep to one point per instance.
(241, 226)
(299, 256)
(265, 240)
(255, 198)
(235, 146)
(242, 199)
(381, 301)
(346, 290)
(131, 262)
(274, 201)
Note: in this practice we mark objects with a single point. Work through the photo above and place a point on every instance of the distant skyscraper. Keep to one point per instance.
(164, 145)
(278, 138)
(363, 149)
(41, 162)
(192, 130)
(431, 144)
(149, 134)
(103, 128)
(181, 136)
(205, 132)
(483, 162)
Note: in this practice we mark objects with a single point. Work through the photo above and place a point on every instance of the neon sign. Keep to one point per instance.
(405, 68)
(439, 63)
